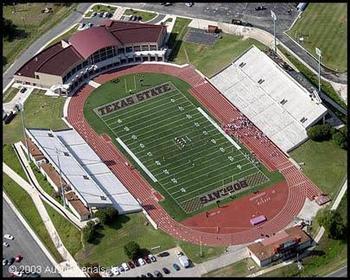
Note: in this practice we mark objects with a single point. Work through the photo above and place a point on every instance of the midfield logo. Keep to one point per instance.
(133, 99)
(232, 188)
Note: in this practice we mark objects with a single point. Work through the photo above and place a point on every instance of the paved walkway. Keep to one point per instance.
(68, 268)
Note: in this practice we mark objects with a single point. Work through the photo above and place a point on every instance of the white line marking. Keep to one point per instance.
(144, 168)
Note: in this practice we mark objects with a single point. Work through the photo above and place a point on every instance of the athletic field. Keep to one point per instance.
(176, 145)
(324, 25)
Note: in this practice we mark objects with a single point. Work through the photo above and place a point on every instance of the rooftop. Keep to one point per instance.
(76, 203)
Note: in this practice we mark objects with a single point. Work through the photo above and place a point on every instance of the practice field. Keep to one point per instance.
(178, 147)
(324, 25)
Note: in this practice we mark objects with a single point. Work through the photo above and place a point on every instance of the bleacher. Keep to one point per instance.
(270, 98)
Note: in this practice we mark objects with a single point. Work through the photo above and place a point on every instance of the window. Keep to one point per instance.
(130, 59)
(137, 48)
(128, 49)
(145, 48)
(153, 58)
(153, 47)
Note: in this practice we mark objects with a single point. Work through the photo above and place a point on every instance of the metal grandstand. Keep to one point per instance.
(270, 98)
(92, 180)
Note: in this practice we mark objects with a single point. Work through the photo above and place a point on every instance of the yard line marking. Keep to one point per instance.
(219, 128)
(144, 168)
(187, 193)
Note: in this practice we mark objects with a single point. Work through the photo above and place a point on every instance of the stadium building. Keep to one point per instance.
(64, 66)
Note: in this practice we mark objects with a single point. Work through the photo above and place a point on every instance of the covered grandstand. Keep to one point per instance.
(93, 182)
(280, 107)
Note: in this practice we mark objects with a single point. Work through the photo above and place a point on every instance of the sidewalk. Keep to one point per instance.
(69, 268)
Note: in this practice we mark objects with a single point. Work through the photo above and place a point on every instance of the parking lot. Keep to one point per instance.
(161, 262)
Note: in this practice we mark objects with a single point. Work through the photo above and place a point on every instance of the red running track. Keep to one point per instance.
(291, 194)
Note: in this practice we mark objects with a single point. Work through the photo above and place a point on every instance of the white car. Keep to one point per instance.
(105, 14)
(115, 270)
(125, 266)
(8, 236)
(121, 269)
(5, 244)
(152, 258)
(189, 4)
(141, 261)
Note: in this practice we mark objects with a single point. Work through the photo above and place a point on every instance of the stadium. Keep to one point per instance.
(205, 159)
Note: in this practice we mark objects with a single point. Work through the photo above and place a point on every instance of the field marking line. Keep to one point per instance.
(205, 186)
(218, 128)
(215, 170)
(144, 168)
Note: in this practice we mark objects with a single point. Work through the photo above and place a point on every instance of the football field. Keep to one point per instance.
(176, 143)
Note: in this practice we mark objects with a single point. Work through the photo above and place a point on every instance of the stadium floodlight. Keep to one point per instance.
(20, 107)
(273, 15)
(319, 54)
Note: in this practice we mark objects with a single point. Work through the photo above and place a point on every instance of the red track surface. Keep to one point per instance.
(284, 204)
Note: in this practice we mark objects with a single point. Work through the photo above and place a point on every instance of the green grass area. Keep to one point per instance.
(325, 86)
(177, 33)
(328, 256)
(68, 233)
(109, 245)
(65, 36)
(325, 164)
(40, 111)
(210, 59)
(26, 207)
(206, 162)
(28, 17)
(9, 94)
(198, 255)
(146, 16)
(101, 8)
(324, 25)
(237, 269)
(11, 159)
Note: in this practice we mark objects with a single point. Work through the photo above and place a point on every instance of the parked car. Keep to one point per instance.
(18, 258)
(11, 260)
(100, 14)
(109, 15)
(94, 14)
(136, 263)
(81, 26)
(260, 8)
(23, 90)
(33, 275)
(125, 266)
(179, 253)
(17, 273)
(147, 259)
(152, 258)
(176, 267)
(143, 275)
(157, 273)
(8, 236)
(105, 14)
(5, 262)
(149, 275)
(5, 244)
(163, 254)
(121, 269)
(131, 264)
(141, 261)
(115, 270)
(166, 271)
(189, 4)
(167, 4)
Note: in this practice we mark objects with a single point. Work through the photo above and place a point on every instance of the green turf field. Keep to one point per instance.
(324, 25)
(177, 146)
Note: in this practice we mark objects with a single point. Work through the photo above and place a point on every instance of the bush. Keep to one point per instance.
(320, 132)
(89, 232)
(132, 250)
(340, 139)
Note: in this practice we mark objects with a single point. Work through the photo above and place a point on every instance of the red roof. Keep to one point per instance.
(52, 60)
(88, 41)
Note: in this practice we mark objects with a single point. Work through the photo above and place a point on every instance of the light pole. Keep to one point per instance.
(59, 167)
(21, 108)
(318, 52)
(273, 15)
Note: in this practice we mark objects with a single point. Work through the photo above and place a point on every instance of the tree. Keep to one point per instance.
(9, 29)
(89, 232)
(132, 250)
(106, 215)
(340, 139)
(333, 223)
(319, 132)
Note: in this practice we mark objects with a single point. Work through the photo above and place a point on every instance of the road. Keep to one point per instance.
(342, 272)
(24, 245)
(73, 18)
(225, 12)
